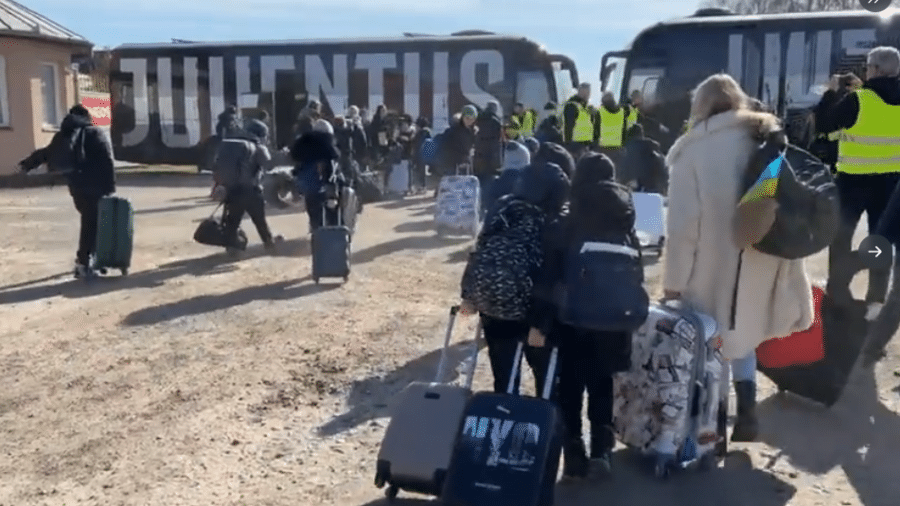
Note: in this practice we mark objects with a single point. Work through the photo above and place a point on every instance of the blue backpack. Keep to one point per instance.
(430, 150)
(603, 288)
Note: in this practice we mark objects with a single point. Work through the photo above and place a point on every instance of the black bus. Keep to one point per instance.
(165, 98)
(785, 60)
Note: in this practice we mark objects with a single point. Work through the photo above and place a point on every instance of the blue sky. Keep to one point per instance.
(581, 29)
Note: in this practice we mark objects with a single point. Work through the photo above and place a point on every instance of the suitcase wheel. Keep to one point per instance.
(346, 278)
(391, 493)
(379, 480)
(102, 270)
(124, 271)
(316, 280)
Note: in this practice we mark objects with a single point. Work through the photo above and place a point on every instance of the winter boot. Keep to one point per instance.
(746, 426)
(603, 440)
(575, 464)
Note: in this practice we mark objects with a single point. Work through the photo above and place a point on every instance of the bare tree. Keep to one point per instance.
(781, 6)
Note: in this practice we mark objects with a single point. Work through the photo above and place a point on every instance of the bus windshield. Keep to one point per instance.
(612, 74)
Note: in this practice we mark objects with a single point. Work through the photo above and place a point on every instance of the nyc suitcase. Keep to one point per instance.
(650, 219)
(330, 250)
(415, 452)
(115, 235)
(508, 448)
(673, 404)
(457, 211)
(844, 329)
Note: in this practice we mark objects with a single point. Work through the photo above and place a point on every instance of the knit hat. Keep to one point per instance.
(323, 126)
(469, 111)
(594, 168)
(516, 156)
(532, 144)
(550, 152)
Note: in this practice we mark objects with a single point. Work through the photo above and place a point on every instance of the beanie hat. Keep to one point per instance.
(469, 111)
(594, 168)
(516, 156)
(256, 129)
(550, 152)
(323, 126)
(532, 144)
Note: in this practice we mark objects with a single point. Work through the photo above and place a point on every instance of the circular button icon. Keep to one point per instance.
(876, 252)
(874, 5)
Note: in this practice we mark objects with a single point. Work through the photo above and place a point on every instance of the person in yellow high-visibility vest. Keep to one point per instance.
(868, 169)
(527, 119)
(578, 122)
(612, 126)
(632, 119)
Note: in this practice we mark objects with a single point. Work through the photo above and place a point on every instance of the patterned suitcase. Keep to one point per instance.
(457, 211)
(417, 445)
(115, 235)
(672, 405)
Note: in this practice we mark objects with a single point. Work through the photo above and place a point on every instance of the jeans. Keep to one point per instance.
(240, 200)
(744, 369)
(87, 206)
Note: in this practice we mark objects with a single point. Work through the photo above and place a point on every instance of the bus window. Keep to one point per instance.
(563, 79)
(532, 90)
(612, 75)
(646, 81)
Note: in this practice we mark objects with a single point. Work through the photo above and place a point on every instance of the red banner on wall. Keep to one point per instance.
(100, 110)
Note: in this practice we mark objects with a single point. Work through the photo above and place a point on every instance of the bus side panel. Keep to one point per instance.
(165, 101)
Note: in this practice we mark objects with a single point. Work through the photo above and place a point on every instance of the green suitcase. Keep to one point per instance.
(115, 235)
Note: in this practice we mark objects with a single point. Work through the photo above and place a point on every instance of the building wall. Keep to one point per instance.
(26, 131)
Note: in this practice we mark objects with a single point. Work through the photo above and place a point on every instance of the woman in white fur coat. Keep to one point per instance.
(753, 296)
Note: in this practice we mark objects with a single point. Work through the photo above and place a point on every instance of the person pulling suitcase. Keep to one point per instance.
(83, 153)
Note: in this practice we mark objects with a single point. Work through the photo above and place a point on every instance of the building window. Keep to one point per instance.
(50, 94)
(4, 98)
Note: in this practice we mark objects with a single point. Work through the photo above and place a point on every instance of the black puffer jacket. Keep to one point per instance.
(310, 151)
(81, 151)
(489, 139)
(599, 210)
(456, 146)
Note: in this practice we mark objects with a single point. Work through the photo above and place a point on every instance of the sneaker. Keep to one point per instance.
(82, 271)
(272, 247)
(600, 467)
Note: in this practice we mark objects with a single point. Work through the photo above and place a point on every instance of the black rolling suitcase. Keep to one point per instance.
(844, 328)
(508, 448)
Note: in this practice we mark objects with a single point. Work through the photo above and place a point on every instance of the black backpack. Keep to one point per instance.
(602, 287)
(498, 276)
(807, 216)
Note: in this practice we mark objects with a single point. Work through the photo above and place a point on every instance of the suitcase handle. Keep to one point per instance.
(548, 379)
(442, 364)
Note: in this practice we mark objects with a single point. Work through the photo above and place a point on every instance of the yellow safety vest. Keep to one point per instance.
(584, 124)
(872, 144)
(611, 125)
(527, 123)
(833, 136)
(632, 118)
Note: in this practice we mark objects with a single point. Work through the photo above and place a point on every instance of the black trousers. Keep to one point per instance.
(867, 193)
(240, 200)
(502, 338)
(87, 206)
(579, 355)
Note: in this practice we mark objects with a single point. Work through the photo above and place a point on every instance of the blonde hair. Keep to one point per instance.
(718, 93)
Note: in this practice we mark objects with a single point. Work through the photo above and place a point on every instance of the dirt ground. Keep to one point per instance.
(199, 381)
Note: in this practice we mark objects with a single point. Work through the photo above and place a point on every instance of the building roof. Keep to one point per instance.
(20, 21)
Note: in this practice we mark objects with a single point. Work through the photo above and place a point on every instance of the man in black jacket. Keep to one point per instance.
(864, 185)
(488, 144)
(83, 153)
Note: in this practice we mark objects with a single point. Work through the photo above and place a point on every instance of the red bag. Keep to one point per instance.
(800, 348)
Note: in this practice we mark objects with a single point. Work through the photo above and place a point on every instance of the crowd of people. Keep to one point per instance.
(577, 170)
